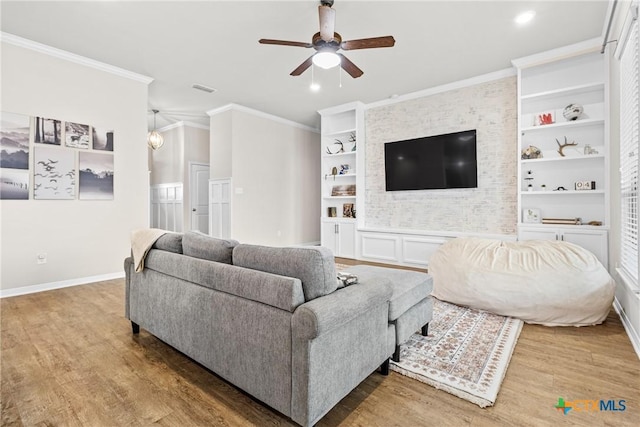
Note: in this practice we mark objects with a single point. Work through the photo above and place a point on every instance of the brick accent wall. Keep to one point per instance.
(491, 109)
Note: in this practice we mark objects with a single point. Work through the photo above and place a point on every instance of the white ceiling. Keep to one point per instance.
(215, 43)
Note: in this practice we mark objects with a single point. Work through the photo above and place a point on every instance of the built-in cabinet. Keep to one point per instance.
(563, 148)
(342, 177)
(339, 236)
(592, 240)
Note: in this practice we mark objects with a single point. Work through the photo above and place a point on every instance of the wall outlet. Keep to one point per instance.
(41, 258)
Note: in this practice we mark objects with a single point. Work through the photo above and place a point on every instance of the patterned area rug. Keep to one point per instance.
(466, 353)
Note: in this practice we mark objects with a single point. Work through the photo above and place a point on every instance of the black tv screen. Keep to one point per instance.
(432, 162)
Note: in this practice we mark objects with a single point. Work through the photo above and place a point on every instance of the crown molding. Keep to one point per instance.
(484, 78)
(587, 46)
(72, 57)
(242, 108)
(182, 123)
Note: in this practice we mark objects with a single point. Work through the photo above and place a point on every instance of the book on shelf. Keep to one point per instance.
(565, 221)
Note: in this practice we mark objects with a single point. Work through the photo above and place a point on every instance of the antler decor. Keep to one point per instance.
(566, 144)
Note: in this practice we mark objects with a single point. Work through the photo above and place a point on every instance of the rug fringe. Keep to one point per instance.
(483, 403)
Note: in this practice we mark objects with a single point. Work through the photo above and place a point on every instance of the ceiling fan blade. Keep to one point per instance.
(302, 67)
(350, 67)
(327, 22)
(373, 42)
(284, 43)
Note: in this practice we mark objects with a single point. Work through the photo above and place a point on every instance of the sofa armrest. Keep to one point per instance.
(321, 315)
(338, 341)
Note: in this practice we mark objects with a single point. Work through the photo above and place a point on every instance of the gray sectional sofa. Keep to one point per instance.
(271, 321)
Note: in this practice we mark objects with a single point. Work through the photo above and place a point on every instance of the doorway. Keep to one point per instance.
(199, 196)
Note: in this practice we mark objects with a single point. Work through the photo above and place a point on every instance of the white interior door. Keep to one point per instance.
(220, 203)
(199, 197)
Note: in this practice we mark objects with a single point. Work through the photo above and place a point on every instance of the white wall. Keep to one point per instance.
(276, 167)
(488, 107)
(81, 238)
(220, 144)
(167, 162)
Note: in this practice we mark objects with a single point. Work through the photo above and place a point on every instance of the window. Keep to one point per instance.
(629, 146)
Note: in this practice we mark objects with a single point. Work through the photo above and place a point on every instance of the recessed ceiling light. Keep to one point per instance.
(525, 17)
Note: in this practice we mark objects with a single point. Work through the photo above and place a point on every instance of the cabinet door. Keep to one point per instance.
(329, 236)
(537, 234)
(347, 240)
(594, 242)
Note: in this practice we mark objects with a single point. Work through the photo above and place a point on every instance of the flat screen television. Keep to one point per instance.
(432, 162)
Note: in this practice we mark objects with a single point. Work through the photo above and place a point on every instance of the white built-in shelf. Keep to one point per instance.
(563, 159)
(340, 197)
(338, 219)
(573, 226)
(572, 90)
(574, 123)
(344, 175)
(339, 132)
(346, 153)
(561, 193)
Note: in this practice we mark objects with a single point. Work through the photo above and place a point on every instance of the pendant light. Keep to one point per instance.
(154, 139)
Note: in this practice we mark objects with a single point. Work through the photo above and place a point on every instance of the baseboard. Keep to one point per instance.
(632, 333)
(23, 290)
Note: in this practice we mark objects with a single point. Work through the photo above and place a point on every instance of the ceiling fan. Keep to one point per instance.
(327, 43)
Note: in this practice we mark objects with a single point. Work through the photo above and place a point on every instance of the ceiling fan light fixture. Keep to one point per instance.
(154, 139)
(326, 59)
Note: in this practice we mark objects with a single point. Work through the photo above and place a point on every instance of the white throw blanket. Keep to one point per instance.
(141, 242)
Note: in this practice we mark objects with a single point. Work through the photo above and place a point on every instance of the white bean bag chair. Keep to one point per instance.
(552, 283)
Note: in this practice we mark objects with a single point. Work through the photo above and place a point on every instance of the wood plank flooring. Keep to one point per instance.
(68, 358)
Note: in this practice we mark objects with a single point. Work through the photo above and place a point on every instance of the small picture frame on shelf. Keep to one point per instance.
(332, 212)
(585, 185)
(344, 169)
(544, 118)
(347, 210)
(343, 190)
(531, 216)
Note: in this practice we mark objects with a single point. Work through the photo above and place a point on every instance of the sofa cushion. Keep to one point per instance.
(313, 265)
(170, 242)
(201, 246)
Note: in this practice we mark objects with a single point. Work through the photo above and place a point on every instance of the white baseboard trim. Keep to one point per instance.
(633, 334)
(13, 292)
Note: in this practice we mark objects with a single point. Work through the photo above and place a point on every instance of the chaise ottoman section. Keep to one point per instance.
(410, 307)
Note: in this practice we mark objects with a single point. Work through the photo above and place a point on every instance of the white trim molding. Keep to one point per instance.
(257, 113)
(632, 16)
(182, 124)
(72, 57)
(587, 46)
(484, 78)
(632, 333)
(24, 290)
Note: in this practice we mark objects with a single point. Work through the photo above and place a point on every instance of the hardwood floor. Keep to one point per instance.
(68, 358)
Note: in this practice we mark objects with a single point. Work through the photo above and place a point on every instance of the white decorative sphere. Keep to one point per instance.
(572, 111)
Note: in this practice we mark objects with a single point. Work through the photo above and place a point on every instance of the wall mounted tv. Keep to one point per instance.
(432, 162)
